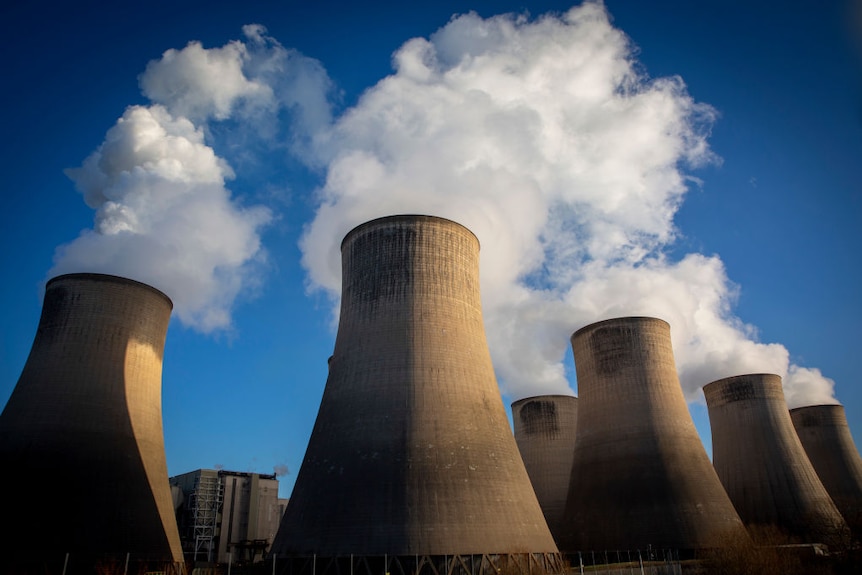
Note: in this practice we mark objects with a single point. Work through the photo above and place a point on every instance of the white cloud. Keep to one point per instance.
(542, 136)
(199, 83)
(163, 213)
(546, 141)
(164, 217)
(252, 80)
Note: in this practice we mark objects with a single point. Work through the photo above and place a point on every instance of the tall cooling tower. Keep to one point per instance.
(545, 428)
(411, 459)
(640, 474)
(81, 442)
(762, 464)
(826, 438)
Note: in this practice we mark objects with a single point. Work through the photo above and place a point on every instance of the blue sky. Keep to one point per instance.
(697, 162)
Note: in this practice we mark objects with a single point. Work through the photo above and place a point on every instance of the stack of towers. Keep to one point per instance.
(411, 465)
(762, 464)
(84, 424)
(411, 461)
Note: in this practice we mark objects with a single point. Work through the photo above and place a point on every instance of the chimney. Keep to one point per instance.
(411, 459)
(545, 428)
(81, 440)
(640, 474)
(825, 436)
(762, 464)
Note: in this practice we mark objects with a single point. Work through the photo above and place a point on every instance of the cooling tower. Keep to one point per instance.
(411, 457)
(762, 464)
(825, 436)
(640, 474)
(545, 428)
(81, 442)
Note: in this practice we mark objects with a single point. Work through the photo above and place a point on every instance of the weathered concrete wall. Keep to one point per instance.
(545, 430)
(411, 452)
(640, 474)
(84, 426)
(826, 438)
(762, 464)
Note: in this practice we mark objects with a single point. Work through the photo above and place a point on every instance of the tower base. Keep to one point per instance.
(479, 564)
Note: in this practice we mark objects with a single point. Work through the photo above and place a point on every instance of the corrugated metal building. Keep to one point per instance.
(227, 516)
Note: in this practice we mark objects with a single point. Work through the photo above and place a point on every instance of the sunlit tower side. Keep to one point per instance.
(640, 474)
(762, 464)
(825, 436)
(84, 423)
(411, 459)
(545, 429)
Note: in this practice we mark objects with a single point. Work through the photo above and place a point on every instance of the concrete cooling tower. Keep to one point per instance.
(762, 464)
(411, 465)
(826, 438)
(545, 428)
(640, 474)
(81, 443)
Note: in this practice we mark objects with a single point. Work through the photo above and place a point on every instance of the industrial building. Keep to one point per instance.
(545, 429)
(84, 423)
(640, 474)
(762, 464)
(227, 516)
(826, 438)
(412, 466)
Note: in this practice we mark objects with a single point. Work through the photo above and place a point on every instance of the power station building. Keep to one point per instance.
(85, 420)
(227, 516)
(762, 464)
(825, 436)
(640, 474)
(412, 466)
(545, 429)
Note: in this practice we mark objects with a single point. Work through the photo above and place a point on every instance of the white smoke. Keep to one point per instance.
(163, 213)
(542, 136)
(200, 84)
(544, 139)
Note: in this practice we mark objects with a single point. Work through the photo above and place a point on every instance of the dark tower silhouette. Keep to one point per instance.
(411, 460)
(545, 428)
(762, 464)
(81, 441)
(826, 438)
(640, 474)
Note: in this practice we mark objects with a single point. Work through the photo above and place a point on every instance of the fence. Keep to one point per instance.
(648, 561)
(87, 564)
(624, 562)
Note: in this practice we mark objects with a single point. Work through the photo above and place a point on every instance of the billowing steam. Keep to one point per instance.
(164, 215)
(569, 165)
(542, 136)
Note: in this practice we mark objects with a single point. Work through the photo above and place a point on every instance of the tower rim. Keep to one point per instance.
(405, 217)
(743, 376)
(820, 405)
(111, 278)
(542, 396)
(622, 319)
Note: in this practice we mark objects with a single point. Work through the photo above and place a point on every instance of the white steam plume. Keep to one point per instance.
(544, 139)
(163, 213)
